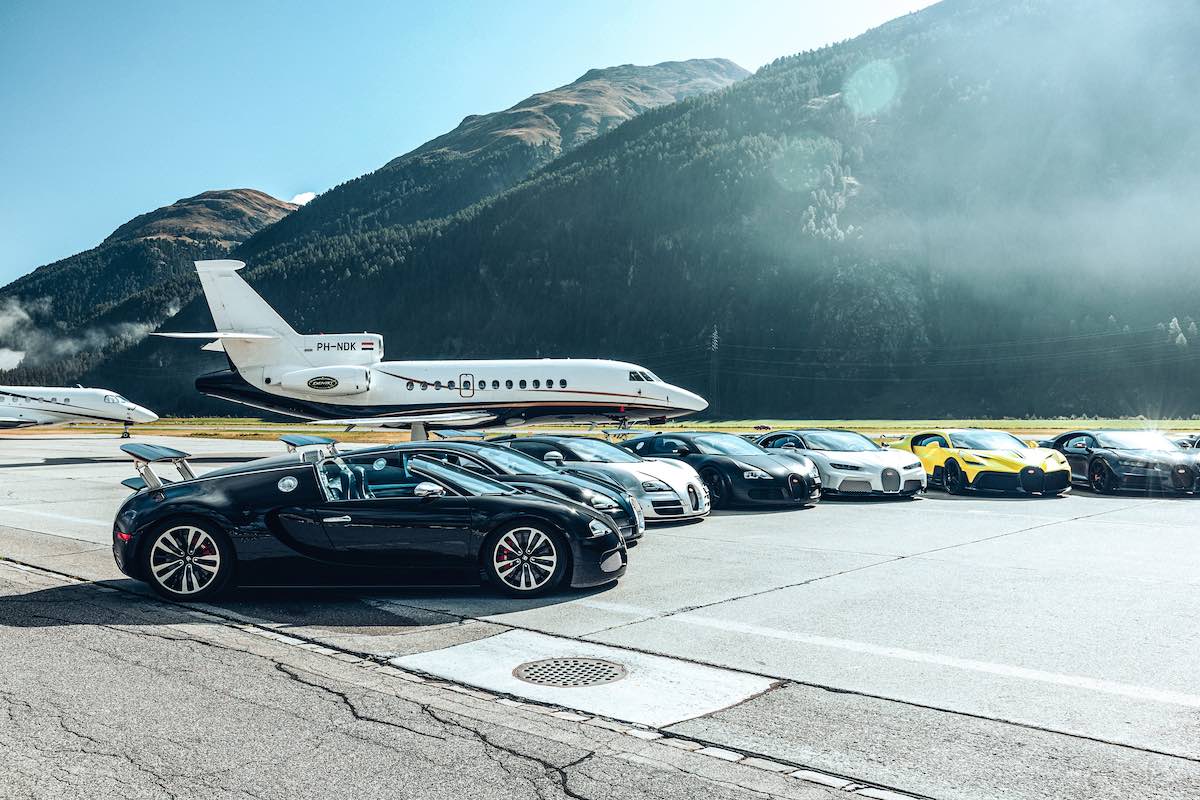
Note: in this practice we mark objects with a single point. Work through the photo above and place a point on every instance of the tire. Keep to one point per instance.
(953, 479)
(526, 559)
(187, 560)
(718, 485)
(1100, 478)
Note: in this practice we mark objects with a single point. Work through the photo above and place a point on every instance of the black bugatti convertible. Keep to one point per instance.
(737, 471)
(377, 516)
(523, 471)
(1113, 460)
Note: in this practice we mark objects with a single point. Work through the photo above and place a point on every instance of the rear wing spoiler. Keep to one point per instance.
(295, 441)
(146, 455)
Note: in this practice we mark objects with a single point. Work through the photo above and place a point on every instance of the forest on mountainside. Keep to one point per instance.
(983, 208)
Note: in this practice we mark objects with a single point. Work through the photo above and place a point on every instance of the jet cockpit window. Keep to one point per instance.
(634, 375)
(114, 398)
(648, 376)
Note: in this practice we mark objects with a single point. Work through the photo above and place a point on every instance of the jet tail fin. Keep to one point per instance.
(234, 305)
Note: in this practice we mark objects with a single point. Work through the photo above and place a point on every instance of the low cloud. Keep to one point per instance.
(25, 340)
(303, 198)
(9, 359)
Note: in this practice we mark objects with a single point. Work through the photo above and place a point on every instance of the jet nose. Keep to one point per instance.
(686, 401)
(139, 414)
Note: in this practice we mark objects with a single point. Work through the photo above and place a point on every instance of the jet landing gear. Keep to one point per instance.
(125, 431)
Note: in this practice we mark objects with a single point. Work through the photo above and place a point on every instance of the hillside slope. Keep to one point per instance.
(60, 315)
(981, 208)
(488, 153)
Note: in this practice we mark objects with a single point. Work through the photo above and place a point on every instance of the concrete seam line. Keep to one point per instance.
(716, 751)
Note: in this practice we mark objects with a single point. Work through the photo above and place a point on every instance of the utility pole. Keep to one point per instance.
(714, 350)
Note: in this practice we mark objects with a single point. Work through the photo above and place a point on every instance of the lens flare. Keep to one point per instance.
(871, 88)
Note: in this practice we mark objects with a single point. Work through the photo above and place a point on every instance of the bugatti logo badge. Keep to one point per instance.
(322, 382)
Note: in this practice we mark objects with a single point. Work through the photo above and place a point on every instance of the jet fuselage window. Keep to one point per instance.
(424, 386)
(508, 384)
(495, 384)
(522, 384)
(450, 385)
(437, 384)
(537, 384)
(562, 384)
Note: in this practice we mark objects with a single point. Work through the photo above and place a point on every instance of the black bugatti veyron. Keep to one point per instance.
(376, 516)
(737, 471)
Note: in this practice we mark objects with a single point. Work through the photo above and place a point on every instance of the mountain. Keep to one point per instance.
(56, 320)
(982, 208)
(488, 153)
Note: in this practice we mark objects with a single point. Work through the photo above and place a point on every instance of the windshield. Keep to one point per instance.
(726, 444)
(514, 462)
(601, 452)
(1135, 440)
(986, 440)
(844, 441)
(468, 482)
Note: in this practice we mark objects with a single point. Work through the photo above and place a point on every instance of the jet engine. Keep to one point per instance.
(331, 381)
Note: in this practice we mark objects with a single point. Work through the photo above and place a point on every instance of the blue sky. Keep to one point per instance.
(108, 110)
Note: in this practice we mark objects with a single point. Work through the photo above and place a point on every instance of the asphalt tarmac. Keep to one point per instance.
(975, 647)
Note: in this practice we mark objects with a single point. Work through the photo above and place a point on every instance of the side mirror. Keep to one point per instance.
(1032, 443)
(428, 489)
(788, 445)
(934, 446)
(1080, 446)
(683, 452)
(554, 457)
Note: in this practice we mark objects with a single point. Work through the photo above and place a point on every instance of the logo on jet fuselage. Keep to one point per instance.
(322, 382)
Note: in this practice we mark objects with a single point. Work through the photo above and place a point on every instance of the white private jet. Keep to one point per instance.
(26, 406)
(343, 379)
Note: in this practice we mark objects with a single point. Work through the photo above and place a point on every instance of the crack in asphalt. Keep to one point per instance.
(548, 767)
(349, 704)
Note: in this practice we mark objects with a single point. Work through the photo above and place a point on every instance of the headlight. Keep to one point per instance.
(655, 486)
(755, 474)
(1133, 462)
(849, 467)
(913, 466)
(598, 529)
(602, 503)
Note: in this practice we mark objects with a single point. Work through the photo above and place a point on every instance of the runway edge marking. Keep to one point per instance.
(379, 665)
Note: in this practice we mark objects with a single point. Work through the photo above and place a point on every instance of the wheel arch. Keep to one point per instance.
(529, 517)
(210, 521)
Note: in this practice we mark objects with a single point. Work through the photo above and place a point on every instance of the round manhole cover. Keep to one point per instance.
(569, 672)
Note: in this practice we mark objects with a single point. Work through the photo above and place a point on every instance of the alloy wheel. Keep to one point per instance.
(954, 480)
(716, 487)
(1100, 478)
(185, 559)
(525, 559)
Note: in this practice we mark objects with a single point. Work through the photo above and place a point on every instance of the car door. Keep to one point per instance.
(932, 458)
(381, 522)
(1078, 452)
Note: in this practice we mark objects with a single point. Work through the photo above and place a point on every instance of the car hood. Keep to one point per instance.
(1017, 460)
(675, 474)
(878, 459)
(1159, 456)
(778, 466)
